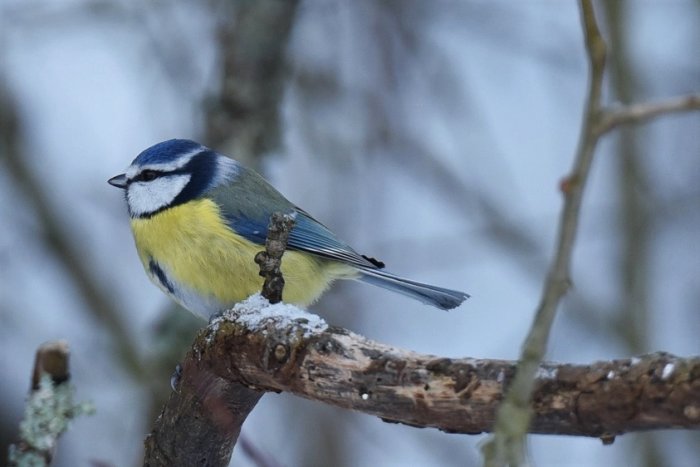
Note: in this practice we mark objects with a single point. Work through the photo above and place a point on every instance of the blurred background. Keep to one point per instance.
(429, 134)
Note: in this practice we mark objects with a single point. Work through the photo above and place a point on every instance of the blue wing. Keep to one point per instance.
(307, 235)
(248, 203)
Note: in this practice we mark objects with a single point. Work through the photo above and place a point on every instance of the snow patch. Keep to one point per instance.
(255, 312)
(667, 371)
(501, 376)
(546, 373)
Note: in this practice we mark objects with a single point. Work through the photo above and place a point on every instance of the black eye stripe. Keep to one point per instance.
(147, 175)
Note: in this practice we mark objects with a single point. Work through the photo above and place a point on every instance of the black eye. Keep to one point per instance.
(147, 176)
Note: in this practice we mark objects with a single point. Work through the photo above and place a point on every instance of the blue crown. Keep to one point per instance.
(167, 151)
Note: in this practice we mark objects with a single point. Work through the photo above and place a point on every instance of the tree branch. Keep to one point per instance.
(637, 113)
(281, 348)
(201, 421)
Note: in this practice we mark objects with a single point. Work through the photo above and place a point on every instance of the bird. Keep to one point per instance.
(198, 219)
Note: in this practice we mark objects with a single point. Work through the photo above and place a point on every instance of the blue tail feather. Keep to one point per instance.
(445, 299)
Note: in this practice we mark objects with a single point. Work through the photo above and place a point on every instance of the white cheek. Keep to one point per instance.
(148, 197)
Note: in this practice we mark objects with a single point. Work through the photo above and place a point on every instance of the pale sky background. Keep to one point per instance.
(429, 110)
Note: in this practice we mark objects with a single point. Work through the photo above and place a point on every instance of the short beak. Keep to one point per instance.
(119, 181)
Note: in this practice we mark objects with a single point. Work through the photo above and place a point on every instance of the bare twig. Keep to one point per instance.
(638, 113)
(270, 260)
(49, 410)
(507, 445)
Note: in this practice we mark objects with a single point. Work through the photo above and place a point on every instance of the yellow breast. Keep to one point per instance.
(201, 255)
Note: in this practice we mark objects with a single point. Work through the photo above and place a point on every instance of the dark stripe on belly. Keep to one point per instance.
(158, 272)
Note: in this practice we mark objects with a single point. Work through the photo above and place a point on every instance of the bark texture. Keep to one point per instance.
(251, 350)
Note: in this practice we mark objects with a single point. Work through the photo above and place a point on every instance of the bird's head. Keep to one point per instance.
(171, 173)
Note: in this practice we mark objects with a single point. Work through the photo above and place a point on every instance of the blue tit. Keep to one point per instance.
(199, 218)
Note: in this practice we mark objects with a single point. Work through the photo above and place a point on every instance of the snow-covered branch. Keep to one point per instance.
(258, 347)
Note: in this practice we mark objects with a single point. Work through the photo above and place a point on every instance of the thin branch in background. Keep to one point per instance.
(642, 112)
(507, 446)
(49, 410)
